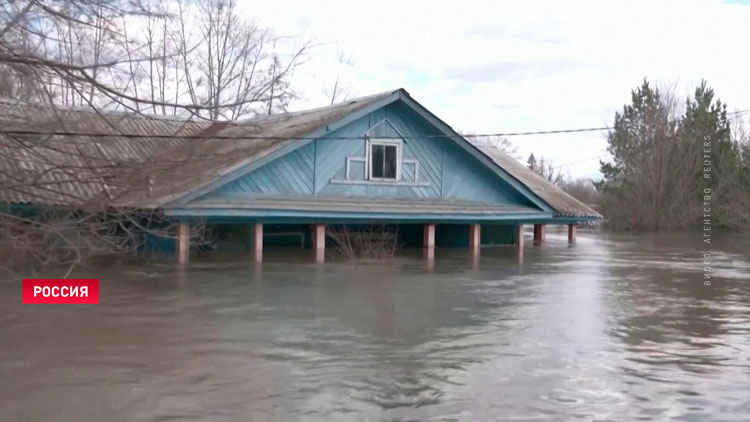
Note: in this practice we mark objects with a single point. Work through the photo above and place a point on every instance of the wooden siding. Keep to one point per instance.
(464, 179)
(432, 167)
(293, 174)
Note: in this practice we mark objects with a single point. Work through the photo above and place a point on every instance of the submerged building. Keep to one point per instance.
(382, 159)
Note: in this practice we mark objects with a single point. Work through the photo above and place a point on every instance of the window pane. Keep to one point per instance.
(390, 162)
(376, 170)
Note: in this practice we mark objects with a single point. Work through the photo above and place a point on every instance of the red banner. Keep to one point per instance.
(51, 290)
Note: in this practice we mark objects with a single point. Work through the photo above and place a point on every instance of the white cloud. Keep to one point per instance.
(490, 66)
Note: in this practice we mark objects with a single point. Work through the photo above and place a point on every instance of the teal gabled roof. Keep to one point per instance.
(157, 163)
(303, 127)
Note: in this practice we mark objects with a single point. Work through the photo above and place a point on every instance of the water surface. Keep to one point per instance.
(617, 328)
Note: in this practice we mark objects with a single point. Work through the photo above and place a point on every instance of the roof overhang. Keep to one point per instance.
(311, 208)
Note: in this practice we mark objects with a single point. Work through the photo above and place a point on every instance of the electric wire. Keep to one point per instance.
(268, 137)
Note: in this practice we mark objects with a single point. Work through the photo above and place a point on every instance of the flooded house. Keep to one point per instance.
(288, 178)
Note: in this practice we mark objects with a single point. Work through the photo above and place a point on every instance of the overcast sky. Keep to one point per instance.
(491, 66)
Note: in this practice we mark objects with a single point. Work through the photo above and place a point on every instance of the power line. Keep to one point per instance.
(251, 137)
(579, 161)
(736, 114)
(541, 132)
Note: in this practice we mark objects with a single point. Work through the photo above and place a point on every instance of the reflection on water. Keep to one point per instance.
(615, 328)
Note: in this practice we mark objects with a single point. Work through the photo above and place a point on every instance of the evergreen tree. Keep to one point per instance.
(635, 183)
(663, 164)
(531, 163)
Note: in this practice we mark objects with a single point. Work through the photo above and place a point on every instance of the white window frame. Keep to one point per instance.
(349, 161)
(398, 143)
(415, 163)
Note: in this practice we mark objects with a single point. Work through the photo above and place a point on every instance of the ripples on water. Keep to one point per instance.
(616, 328)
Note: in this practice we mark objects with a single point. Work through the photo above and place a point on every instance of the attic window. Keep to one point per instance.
(384, 159)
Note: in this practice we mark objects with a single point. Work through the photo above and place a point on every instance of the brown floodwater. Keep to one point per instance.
(617, 328)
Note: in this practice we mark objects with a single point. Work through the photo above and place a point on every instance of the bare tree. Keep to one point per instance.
(367, 241)
(500, 142)
(583, 189)
(206, 54)
(339, 92)
(237, 70)
(194, 60)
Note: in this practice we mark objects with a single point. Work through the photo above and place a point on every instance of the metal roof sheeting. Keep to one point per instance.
(563, 204)
(78, 170)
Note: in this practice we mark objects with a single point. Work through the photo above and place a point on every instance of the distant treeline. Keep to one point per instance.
(676, 164)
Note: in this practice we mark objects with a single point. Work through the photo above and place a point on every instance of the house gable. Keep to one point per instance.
(432, 166)
(291, 174)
